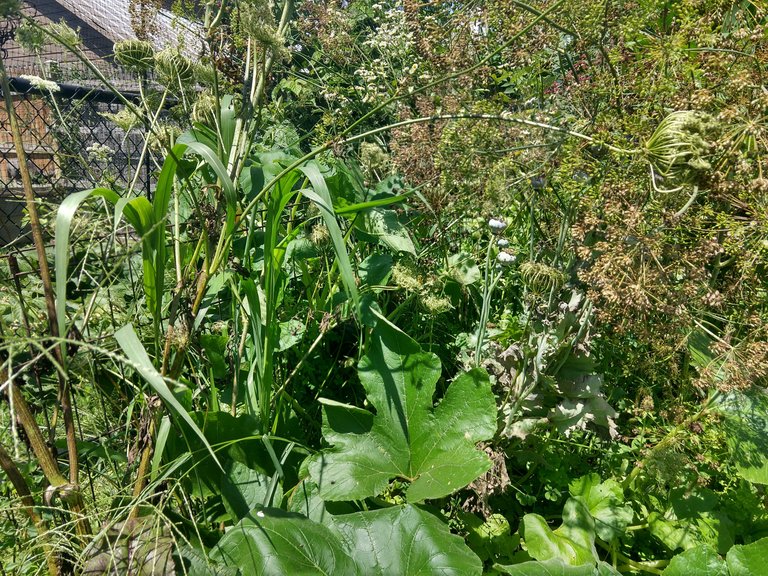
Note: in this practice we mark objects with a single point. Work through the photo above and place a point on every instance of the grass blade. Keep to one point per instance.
(64, 216)
(134, 350)
(321, 196)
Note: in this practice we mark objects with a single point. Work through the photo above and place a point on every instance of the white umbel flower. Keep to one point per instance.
(99, 152)
(41, 83)
(502, 242)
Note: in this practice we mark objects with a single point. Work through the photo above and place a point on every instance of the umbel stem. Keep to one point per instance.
(59, 350)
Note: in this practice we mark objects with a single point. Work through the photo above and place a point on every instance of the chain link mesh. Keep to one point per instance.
(70, 145)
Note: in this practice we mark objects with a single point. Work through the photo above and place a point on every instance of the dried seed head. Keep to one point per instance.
(136, 55)
(678, 149)
(173, 69)
(125, 119)
(65, 34)
(540, 277)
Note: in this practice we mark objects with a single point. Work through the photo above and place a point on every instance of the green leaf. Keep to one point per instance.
(247, 470)
(702, 357)
(671, 534)
(712, 528)
(200, 133)
(194, 563)
(748, 559)
(270, 542)
(573, 542)
(243, 489)
(162, 438)
(64, 216)
(605, 504)
(492, 539)
(305, 499)
(134, 350)
(404, 540)
(354, 208)
(693, 520)
(409, 438)
(215, 346)
(291, 333)
(691, 503)
(211, 158)
(155, 250)
(322, 198)
(556, 567)
(463, 269)
(300, 249)
(375, 269)
(384, 226)
(699, 560)
(228, 124)
(746, 425)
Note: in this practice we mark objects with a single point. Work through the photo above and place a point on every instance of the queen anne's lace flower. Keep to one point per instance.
(99, 152)
(41, 83)
(502, 242)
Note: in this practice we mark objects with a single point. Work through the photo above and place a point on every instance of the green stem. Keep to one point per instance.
(488, 286)
(22, 489)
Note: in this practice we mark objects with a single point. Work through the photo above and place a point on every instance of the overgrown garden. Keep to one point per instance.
(421, 288)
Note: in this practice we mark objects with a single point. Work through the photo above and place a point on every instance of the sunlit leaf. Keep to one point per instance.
(573, 542)
(605, 503)
(404, 540)
(270, 542)
(748, 559)
(556, 567)
(746, 424)
(322, 199)
(432, 448)
(699, 560)
(135, 352)
(384, 226)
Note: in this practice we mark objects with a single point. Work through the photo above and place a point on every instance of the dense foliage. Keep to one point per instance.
(421, 288)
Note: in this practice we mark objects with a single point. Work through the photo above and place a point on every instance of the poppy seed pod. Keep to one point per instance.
(496, 225)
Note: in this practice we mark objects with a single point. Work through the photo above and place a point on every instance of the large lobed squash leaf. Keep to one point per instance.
(432, 448)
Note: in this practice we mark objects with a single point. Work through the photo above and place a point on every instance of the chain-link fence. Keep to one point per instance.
(70, 143)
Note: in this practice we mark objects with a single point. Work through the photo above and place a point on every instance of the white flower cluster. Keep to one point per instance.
(393, 44)
(505, 258)
(41, 83)
(99, 152)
